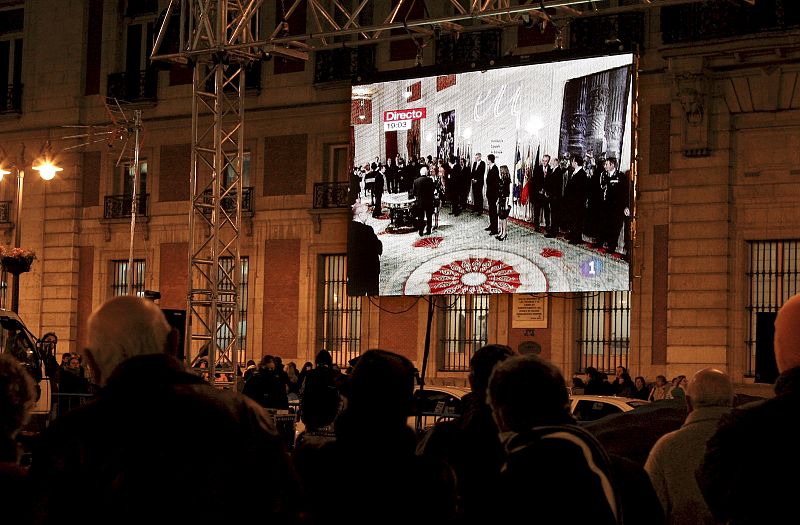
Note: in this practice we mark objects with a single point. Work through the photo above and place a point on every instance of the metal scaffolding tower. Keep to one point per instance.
(216, 37)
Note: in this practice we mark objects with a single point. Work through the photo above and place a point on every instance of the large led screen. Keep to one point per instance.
(513, 180)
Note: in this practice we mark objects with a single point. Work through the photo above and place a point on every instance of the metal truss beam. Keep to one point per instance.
(330, 19)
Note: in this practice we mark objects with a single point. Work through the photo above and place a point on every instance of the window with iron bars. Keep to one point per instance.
(774, 274)
(338, 316)
(605, 327)
(463, 325)
(226, 266)
(119, 277)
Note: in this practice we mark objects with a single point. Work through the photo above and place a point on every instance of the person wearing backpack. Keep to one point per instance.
(553, 468)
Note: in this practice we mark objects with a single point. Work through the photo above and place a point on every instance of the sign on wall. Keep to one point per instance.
(529, 311)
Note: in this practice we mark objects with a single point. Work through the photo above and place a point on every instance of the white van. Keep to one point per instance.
(38, 356)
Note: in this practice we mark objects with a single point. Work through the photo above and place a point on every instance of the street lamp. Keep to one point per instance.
(47, 170)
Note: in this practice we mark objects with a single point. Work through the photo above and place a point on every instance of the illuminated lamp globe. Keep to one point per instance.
(47, 170)
(3, 173)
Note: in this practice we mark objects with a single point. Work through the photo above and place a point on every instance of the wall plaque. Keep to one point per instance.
(529, 311)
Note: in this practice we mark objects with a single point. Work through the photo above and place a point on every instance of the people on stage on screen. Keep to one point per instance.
(583, 199)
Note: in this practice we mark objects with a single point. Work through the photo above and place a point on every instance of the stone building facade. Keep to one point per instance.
(718, 201)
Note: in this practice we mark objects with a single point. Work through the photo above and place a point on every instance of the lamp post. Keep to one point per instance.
(47, 170)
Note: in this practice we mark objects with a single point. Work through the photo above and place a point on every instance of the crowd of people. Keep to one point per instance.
(599, 383)
(578, 198)
(158, 443)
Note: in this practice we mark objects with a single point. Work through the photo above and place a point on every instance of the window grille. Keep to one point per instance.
(119, 272)
(338, 316)
(605, 326)
(226, 286)
(774, 278)
(463, 324)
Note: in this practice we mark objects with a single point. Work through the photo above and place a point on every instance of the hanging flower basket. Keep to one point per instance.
(17, 260)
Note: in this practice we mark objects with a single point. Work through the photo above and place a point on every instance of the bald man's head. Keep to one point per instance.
(787, 335)
(125, 327)
(710, 387)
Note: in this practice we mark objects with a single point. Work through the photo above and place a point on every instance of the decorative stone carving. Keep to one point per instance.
(691, 91)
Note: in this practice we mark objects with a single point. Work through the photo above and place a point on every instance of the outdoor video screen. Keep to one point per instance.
(514, 180)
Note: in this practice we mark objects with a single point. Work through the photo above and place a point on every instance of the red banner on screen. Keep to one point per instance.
(403, 114)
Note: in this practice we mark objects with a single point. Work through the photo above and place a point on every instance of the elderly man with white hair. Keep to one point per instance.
(676, 455)
(157, 442)
(749, 473)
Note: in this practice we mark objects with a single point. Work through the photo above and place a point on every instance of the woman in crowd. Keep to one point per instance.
(294, 381)
(503, 203)
(640, 390)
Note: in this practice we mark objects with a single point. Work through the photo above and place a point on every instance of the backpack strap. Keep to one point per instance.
(596, 458)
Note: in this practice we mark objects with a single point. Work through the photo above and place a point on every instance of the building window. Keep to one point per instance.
(605, 327)
(230, 171)
(11, 27)
(463, 324)
(119, 274)
(124, 180)
(774, 278)
(338, 316)
(226, 285)
(335, 163)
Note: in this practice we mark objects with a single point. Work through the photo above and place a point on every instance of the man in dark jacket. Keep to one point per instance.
(492, 194)
(156, 441)
(266, 387)
(470, 444)
(747, 476)
(423, 191)
(540, 187)
(477, 174)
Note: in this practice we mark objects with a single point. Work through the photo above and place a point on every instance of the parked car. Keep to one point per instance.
(436, 403)
(591, 408)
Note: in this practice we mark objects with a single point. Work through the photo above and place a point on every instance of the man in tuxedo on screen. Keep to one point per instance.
(477, 173)
(454, 184)
(364, 251)
(615, 204)
(492, 193)
(554, 187)
(539, 185)
(423, 191)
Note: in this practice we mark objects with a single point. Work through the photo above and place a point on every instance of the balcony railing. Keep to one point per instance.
(331, 195)
(133, 86)
(229, 202)
(11, 101)
(119, 206)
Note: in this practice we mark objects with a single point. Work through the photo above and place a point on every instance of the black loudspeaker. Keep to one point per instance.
(766, 367)
(177, 320)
